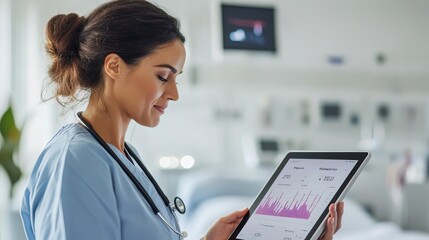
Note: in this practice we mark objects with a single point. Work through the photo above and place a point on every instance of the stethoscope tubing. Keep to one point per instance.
(121, 164)
(131, 176)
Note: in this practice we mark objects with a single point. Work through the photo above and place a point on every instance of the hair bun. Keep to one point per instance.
(62, 36)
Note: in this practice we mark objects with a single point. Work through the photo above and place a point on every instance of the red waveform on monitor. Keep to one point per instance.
(297, 208)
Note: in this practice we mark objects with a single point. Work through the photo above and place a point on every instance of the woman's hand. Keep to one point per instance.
(223, 227)
(333, 223)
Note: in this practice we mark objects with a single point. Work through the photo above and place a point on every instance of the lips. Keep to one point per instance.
(161, 109)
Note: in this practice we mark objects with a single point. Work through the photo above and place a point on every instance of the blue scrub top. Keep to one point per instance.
(78, 191)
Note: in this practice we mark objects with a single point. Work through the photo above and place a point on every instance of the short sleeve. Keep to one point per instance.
(79, 201)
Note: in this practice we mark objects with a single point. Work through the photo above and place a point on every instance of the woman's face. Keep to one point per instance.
(145, 92)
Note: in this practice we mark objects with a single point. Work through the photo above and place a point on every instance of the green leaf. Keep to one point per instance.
(10, 133)
(6, 160)
(11, 136)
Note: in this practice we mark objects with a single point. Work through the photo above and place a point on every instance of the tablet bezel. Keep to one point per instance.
(361, 157)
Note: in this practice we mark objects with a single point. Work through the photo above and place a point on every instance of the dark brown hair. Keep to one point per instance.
(78, 46)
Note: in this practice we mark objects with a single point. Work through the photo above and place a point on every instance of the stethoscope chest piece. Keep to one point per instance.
(179, 205)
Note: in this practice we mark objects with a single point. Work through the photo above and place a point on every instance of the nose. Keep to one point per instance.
(172, 93)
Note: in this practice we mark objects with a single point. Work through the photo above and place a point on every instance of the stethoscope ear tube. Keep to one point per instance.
(178, 203)
(121, 164)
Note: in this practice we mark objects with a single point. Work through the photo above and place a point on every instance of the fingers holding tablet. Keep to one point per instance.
(340, 211)
(222, 228)
(333, 223)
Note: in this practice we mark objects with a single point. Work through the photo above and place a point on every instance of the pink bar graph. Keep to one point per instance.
(299, 207)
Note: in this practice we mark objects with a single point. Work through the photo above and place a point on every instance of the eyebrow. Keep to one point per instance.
(174, 70)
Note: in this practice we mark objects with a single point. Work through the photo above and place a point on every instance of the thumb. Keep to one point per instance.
(235, 216)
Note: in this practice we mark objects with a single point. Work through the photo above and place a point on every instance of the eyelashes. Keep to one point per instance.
(162, 79)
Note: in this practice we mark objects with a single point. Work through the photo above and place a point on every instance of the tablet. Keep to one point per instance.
(294, 204)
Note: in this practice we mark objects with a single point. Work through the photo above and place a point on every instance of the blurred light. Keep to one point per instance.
(238, 35)
(174, 162)
(187, 161)
(258, 28)
(165, 162)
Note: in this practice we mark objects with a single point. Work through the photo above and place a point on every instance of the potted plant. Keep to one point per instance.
(9, 143)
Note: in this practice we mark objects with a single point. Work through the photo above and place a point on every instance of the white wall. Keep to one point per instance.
(309, 31)
(5, 57)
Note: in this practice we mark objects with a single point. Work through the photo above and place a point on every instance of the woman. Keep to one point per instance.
(88, 183)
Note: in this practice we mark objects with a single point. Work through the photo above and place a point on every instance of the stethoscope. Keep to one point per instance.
(178, 203)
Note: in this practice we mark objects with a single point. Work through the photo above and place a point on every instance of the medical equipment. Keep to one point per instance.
(178, 203)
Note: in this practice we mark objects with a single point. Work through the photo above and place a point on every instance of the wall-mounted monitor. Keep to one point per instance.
(331, 111)
(269, 145)
(248, 28)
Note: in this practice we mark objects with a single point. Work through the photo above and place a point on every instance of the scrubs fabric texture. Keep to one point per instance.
(78, 191)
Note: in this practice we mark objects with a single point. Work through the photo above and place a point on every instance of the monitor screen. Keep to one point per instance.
(331, 111)
(269, 145)
(248, 28)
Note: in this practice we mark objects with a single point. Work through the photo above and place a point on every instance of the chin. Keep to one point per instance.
(154, 124)
(150, 124)
(148, 121)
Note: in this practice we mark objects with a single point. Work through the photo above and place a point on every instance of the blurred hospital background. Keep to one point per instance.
(263, 77)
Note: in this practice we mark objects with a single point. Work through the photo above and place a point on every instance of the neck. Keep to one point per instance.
(109, 124)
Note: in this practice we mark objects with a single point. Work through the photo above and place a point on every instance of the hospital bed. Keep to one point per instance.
(210, 195)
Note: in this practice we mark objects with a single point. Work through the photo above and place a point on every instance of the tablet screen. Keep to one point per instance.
(296, 199)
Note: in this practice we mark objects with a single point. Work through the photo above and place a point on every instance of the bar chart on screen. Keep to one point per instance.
(300, 206)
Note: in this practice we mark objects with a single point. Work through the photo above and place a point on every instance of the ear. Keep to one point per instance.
(114, 66)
